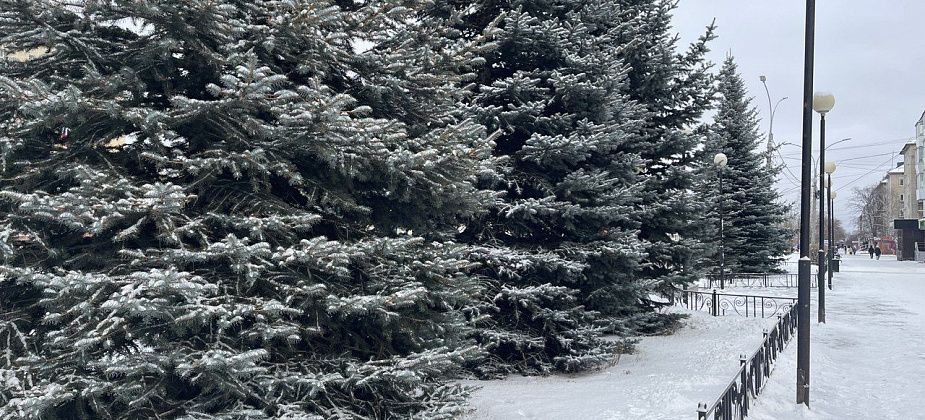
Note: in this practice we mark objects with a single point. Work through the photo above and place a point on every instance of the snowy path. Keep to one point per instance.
(665, 379)
(868, 360)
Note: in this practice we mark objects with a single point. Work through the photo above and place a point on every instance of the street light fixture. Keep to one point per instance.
(830, 169)
(823, 102)
(772, 110)
(840, 141)
(720, 160)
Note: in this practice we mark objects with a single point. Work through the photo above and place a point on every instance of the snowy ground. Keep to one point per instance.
(665, 379)
(868, 361)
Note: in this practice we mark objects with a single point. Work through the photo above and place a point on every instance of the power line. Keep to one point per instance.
(905, 140)
(845, 176)
(794, 179)
(839, 161)
(868, 157)
(865, 174)
(789, 190)
(787, 170)
(856, 167)
(849, 166)
(860, 146)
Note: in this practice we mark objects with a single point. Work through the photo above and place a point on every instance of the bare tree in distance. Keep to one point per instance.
(870, 204)
(840, 234)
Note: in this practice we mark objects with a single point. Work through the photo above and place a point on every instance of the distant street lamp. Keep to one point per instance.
(840, 141)
(823, 102)
(829, 168)
(720, 161)
(827, 147)
(832, 248)
(772, 110)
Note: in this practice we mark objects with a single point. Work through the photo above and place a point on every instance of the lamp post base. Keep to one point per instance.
(803, 322)
(820, 286)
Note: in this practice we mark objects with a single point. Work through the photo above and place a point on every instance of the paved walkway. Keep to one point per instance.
(868, 360)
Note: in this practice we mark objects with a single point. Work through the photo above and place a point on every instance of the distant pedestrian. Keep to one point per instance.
(870, 250)
(877, 252)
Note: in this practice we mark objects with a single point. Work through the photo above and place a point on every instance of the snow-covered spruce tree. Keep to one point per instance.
(673, 89)
(561, 249)
(705, 228)
(221, 209)
(755, 236)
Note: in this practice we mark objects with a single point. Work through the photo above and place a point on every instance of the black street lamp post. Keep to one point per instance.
(832, 195)
(832, 248)
(823, 102)
(803, 323)
(720, 161)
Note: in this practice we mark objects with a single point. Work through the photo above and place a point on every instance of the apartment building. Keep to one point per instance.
(919, 160)
(908, 221)
(909, 183)
(895, 182)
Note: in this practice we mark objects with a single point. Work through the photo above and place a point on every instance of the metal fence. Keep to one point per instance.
(755, 280)
(735, 400)
(727, 304)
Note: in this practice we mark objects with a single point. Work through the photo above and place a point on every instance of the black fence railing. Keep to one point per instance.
(728, 304)
(756, 280)
(735, 400)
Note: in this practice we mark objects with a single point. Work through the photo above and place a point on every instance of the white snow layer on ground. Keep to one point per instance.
(867, 361)
(665, 379)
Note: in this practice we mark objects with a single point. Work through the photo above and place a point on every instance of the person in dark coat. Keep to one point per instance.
(870, 250)
(877, 251)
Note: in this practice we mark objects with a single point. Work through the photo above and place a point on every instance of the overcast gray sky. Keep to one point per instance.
(869, 54)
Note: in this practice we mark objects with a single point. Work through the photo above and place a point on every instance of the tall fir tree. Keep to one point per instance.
(755, 238)
(562, 248)
(673, 89)
(224, 209)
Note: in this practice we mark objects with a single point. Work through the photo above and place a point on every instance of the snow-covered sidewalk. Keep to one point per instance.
(665, 379)
(868, 360)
